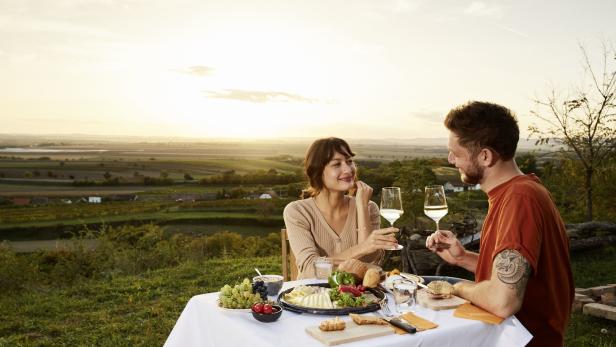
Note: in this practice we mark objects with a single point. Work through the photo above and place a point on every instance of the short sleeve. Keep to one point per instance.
(522, 230)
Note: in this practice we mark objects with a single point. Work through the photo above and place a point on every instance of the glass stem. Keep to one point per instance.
(437, 225)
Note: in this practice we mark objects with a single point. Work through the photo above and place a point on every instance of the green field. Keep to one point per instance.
(126, 306)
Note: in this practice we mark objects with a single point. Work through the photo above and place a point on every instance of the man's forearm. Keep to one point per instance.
(468, 261)
(488, 296)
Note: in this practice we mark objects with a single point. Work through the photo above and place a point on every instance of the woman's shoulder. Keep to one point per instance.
(302, 205)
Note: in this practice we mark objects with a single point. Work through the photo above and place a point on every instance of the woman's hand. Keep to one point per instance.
(363, 193)
(446, 245)
(380, 239)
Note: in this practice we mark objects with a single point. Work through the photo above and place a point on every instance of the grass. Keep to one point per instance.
(126, 311)
(592, 268)
(141, 310)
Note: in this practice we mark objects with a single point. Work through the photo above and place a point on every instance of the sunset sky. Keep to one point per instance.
(256, 69)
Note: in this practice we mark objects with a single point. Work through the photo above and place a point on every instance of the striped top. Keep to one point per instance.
(311, 237)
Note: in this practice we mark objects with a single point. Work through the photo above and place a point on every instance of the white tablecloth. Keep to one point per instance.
(203, 323)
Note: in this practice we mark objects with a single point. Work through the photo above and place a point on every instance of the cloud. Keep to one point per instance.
(430, 116)
(258, 96)
(479, 8)
(197, 70)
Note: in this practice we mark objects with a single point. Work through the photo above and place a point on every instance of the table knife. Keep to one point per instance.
(400, 323)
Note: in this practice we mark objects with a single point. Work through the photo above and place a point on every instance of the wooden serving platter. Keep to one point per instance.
(351, 333)
(424, 299)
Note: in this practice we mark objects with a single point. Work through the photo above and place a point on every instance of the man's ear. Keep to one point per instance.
(487, 158)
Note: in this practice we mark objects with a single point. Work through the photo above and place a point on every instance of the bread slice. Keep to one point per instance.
(332, 325)
(364, 320)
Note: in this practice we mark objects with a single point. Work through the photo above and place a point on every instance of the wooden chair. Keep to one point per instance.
(289, 265)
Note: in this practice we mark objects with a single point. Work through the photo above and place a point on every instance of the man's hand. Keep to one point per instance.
(446, 245)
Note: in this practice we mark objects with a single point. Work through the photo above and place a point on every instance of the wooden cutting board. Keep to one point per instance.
(352, 332)
(424, 299)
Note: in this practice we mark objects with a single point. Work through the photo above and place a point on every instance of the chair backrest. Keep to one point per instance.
(289, 265)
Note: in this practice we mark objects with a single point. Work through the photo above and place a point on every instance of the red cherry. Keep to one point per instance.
(267, 309)
(258, 308)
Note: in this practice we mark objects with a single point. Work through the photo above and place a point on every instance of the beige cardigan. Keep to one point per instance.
(311, 237)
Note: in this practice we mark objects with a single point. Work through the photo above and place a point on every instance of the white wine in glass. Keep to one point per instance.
(435, 205)
(391, 205)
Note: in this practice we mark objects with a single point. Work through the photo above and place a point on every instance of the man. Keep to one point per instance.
(523, 266)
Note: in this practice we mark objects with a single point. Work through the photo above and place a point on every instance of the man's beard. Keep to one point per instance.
(473, 175)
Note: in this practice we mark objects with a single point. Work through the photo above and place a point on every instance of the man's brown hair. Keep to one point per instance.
(485, 125)
(317, 157)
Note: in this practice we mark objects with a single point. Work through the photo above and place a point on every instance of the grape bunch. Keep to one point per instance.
(258, 287)
(239, 296)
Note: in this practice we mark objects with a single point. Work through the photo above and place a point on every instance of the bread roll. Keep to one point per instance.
(356, 267)
(372, 278)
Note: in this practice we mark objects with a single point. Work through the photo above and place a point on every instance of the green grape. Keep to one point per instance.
(246, 281)
(235, 291)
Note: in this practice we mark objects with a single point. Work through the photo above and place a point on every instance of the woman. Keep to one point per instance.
(330, 223)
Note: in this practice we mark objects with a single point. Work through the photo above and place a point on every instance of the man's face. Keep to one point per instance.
(470, 170)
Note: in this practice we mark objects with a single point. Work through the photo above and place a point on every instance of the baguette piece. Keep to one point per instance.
(363, 320)
(332, 324)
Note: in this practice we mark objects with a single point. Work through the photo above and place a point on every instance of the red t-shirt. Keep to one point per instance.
(523, 217)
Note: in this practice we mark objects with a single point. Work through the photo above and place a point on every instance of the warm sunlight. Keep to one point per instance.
(388, 69)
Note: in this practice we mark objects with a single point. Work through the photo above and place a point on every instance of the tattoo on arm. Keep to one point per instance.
(512, 269)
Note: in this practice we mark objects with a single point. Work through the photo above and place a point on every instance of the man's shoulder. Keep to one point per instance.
(528, 185)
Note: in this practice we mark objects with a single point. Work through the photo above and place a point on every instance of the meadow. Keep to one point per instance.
(196, 225)
(133, 287)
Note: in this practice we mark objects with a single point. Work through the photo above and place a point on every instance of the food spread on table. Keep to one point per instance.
(342, 292)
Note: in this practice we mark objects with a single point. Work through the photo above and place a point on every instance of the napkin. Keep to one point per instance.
(419, 323)
(470, 311)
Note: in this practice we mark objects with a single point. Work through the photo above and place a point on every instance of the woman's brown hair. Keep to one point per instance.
(317, 157)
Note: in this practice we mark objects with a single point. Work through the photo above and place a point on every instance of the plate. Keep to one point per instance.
(389, 281)
(452, 280)
(411, 277)
(331, 311)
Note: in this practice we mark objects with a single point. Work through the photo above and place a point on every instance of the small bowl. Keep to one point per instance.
(268, 318)
(273, 283)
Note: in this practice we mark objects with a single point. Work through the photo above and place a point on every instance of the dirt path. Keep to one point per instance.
(48, 245)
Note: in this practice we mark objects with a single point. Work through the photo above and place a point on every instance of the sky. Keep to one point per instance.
(381, 69)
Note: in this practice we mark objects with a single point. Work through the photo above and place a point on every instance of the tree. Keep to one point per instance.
(188, 177)
(107, 175)
(585, 123)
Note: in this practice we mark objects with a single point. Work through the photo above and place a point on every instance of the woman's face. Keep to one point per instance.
(339, 173)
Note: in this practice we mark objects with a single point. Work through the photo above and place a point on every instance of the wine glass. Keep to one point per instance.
(391, 206)
(435, 205)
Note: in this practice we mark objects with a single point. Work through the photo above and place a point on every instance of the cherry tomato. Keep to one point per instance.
(267, 308)
(258, 307)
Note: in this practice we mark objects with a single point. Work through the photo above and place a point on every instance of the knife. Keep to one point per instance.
(399, 323)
